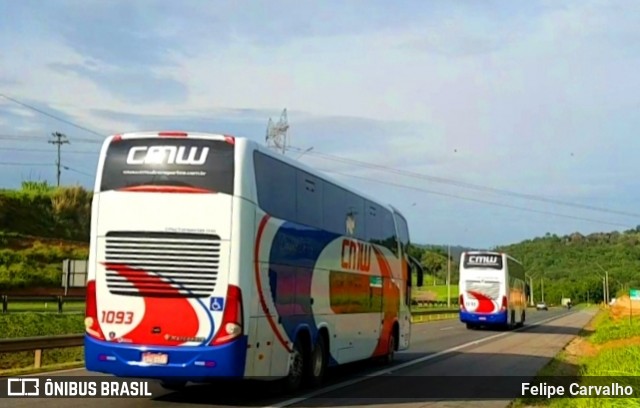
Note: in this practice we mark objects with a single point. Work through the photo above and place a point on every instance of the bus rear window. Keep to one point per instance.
(196, 163)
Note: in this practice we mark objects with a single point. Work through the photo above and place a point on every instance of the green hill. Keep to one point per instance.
(40, 226)
(573, 265)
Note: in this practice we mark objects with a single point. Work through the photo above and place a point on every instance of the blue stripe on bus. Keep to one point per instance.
(295, 250)
(482, 318)
(121, 359)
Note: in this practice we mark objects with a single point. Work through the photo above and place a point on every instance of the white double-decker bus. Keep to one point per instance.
(213, 257)
(492, 290)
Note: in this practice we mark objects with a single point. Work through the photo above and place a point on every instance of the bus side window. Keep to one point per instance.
(276, 186)
(389, 237)
(309, 200)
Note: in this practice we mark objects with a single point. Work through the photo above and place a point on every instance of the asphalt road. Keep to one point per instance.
(443, 348)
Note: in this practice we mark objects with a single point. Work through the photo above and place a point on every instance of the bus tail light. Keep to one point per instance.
(461, 303)
(232, 324)
(173, 134)
(505, 304)
(91, 323)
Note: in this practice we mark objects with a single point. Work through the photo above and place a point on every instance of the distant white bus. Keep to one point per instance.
(492, 290)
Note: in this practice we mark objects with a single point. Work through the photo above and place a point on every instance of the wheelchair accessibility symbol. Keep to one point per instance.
(217, 304)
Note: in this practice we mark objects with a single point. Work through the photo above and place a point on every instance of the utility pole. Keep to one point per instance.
(542, 288)
(531, 290)
(60, 139)
(449, 275)
(606, 283)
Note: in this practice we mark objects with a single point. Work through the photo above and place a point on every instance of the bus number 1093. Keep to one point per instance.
(113, 317)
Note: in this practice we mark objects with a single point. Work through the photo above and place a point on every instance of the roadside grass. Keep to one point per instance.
(439, 290)
(30, 324)
(15, 306)
(606, 351)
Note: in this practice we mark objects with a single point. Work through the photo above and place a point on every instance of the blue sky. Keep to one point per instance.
(536, 97)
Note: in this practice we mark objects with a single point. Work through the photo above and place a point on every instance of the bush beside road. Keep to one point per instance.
(29, 324)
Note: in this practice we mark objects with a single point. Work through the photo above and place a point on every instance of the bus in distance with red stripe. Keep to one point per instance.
(213, 257)
(492, 290)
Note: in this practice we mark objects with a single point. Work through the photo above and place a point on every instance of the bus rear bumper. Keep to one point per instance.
(484, 318)
(193, 364)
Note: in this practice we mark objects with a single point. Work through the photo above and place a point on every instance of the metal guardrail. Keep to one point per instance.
(419, 316)
(38, 344)
(58, 300)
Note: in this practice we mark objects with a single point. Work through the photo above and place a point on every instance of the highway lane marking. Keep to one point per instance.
(356, 380)
(407, 364)
(448, 328)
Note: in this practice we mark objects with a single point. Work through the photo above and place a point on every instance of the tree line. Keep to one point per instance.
(560, 266)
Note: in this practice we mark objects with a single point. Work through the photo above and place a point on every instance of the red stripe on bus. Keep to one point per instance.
(166, 189)
(263, 303)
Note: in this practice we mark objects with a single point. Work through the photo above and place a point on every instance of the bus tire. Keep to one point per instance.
(389, 358)
(293, 381)
(318, 362)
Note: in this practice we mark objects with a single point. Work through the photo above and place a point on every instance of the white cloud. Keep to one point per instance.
(541, 101)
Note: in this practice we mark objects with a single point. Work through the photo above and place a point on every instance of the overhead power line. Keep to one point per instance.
(466, 185)
(377, 166)
(39, 139)
(78, 171)
(475, 199)
(24, 149)
(33, 108)
(23, 164)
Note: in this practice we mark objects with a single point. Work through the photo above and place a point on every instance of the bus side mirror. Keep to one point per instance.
(420, 271)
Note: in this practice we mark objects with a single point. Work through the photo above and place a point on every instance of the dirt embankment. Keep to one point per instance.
(625, 307)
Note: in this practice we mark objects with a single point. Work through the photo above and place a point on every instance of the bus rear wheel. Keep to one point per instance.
(512, 321)
(318, 362)
(388, 358)
(522, 318)
(293, 381)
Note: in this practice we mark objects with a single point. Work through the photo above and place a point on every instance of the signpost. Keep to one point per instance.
(74, 274)
(634, 294)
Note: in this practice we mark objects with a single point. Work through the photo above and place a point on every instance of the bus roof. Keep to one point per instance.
(478, 252)
(252, 144)
(320, 174)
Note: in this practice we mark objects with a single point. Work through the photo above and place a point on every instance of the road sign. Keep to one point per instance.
(634, 294)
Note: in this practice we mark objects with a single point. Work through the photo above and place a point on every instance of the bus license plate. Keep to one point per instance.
(155, 358)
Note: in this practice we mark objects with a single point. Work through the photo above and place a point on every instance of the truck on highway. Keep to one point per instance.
(492, 290)
(213, 257)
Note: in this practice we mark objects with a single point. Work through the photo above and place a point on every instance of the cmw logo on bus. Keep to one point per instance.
(167, 155)
(483, 259)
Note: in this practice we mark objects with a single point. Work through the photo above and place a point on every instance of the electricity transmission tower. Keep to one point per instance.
(276, 137)
(59, 140)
